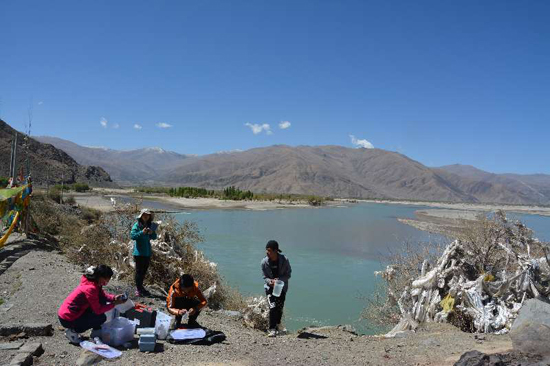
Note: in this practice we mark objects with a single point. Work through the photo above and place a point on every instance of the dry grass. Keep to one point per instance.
(89, 237)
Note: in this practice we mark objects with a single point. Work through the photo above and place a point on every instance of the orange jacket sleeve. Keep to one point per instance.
(170, 299)
(201, 298)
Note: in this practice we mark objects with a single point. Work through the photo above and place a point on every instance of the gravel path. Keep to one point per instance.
(35, 285)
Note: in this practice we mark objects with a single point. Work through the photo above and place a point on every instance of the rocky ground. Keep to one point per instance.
(34, 286)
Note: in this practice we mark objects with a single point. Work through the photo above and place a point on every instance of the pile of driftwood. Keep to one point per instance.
(479, 282)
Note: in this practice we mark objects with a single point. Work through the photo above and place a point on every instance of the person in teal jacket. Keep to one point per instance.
(143, 231)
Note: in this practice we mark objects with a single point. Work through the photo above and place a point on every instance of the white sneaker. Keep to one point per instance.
(73, 336)
(271, 333)
(281, 330)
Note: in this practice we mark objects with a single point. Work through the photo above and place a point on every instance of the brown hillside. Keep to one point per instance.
(47, 163)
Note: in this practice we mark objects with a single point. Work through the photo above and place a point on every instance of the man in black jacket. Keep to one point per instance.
(275, 266)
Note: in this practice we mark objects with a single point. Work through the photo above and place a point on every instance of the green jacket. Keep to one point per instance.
(142, 242)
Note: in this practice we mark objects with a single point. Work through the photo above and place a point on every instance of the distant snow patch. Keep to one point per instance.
(97, 147)
(229, 151)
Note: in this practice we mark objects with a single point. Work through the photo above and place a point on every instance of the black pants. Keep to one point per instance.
(88, 320)
(186, 303)
(276, 305)
(142, 264)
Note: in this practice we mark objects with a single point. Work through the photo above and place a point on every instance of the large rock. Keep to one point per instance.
(476, 358)
(531, 329)
(88, 358)
(21, 359)
(30, 329)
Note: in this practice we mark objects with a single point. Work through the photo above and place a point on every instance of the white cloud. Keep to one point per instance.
(163, 125)
(361, 143)
(116, 126)
(257, 128)
(284, 125)
(103, 122)
(137, 127)
(40, 103)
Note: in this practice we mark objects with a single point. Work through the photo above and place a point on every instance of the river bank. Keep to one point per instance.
(474, 207)
(442, 218)
(102, 199)
(48, 277)
(450, 222)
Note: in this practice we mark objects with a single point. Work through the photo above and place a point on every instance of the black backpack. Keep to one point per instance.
(210, 338)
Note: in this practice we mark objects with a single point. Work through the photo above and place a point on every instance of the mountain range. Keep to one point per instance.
(321, 170)
(131, 167)
(48, 164)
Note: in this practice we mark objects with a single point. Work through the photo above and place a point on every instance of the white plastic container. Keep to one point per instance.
(117, 332)
(119, 309)
(111, 314)
(142, 331)
(278, 288)
(162, 324)
(185, 317)
(125, 306)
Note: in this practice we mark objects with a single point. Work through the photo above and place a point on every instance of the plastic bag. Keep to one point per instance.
(117, 332)
(162, 324)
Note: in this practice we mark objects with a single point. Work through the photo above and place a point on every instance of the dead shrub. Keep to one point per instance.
(90, 215)
(54, 194)
(89, 237)
(481, 239)
(382, 309)
(69, 200)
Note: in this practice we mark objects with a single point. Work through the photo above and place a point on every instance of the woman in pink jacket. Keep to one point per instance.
(86, 306)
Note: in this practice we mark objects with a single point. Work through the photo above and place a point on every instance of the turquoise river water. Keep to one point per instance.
(333, 251)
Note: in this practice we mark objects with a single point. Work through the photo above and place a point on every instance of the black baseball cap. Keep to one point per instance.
(273, 245)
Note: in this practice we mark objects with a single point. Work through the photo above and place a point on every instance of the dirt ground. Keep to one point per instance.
(35, 285)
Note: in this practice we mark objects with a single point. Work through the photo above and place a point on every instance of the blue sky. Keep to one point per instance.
(440, 81)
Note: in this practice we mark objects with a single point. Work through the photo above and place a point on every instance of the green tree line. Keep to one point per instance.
(232, 193)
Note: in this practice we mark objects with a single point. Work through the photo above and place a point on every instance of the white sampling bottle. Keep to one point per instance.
(278, 288)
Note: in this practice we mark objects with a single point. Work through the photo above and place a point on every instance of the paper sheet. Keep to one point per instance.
(180, 334)
(101, 349)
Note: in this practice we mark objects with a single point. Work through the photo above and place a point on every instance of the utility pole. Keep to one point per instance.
(11, 158)
(13, 161)
(28, 165)
(28, 136)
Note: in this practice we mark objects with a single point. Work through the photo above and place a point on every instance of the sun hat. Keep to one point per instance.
(144, 211)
